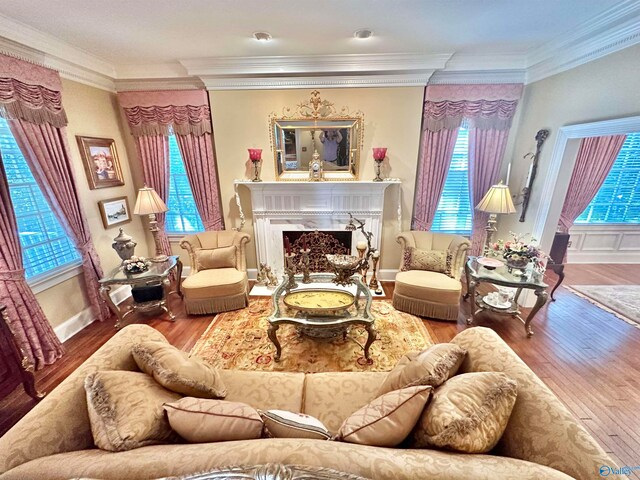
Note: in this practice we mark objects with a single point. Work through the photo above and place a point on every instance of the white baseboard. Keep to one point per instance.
(73, 325)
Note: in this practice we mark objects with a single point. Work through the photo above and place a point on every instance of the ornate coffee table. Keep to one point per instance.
(331, 323)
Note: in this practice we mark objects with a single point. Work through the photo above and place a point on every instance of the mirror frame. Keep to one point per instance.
(319, 112)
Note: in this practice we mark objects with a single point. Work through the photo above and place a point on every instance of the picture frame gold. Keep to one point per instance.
(100, 161)
(114, 211)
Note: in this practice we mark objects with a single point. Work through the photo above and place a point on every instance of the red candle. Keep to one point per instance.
(287, 245)
(304, 243)
(255, 154)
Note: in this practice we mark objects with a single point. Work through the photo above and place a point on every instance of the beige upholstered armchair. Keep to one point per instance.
(433, 294)
(218, 280)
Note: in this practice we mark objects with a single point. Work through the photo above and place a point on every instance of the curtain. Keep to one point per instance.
(153, 152)
(31, 328)
(486, 149)
(46, 151)
(200, 163)
(596, 156)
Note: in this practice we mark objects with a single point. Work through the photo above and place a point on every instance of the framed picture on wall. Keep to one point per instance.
(114, 211)
(101, 162)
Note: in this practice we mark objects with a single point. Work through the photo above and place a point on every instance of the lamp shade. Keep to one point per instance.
(497, 200)
(148, 202)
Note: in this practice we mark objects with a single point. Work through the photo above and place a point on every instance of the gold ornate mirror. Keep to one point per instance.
(316, 126)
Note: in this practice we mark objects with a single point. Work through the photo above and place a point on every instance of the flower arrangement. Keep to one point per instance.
(135, 265)
(518, 252)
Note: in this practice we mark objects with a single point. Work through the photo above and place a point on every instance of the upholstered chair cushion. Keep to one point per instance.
(468, 413)
(430, 260)
(199, 420)
(222, 257)
(428, 286)
(125, 410)
(387, 420)
(432, 366)
(221, 282)
(284, 424)
(174, 369)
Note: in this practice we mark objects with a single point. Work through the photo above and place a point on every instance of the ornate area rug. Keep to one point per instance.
(238, 340)
(621, 300)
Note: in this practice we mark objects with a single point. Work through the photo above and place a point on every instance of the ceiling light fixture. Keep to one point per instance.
(262, 36)
(363, 33)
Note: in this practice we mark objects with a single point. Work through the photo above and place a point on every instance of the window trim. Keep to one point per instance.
(55, 276)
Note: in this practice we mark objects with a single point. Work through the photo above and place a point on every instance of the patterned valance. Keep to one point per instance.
(490, 107)
(30, 92)
(160, 112)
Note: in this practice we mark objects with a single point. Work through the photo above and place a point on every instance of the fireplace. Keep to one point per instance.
(320, 243)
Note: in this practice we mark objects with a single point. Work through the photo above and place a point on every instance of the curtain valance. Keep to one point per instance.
(30, 92)
(160, 112)
(491, 107)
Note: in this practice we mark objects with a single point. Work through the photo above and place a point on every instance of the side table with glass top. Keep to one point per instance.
(323, 326)
(476, 274)
(157, 275)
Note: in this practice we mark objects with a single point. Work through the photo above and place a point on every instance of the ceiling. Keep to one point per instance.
(166, 39)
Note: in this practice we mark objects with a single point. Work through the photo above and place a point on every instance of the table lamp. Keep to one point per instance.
(496, 200)
(150, 203)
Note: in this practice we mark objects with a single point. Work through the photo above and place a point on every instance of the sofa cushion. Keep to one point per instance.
(429, 260)
(200, 420)
(468, 413)
(428, 286)
(283, 424)
(218, 282)
(387, 420)
(265, 390)
(222, 257)
(174, 369)
(125, 410)
(432, 366)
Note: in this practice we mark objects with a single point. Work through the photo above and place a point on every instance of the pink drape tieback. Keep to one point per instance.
(12, 275)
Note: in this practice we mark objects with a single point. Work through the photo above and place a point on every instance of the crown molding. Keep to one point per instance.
(189, 83)
(489, 63)
(470, 77)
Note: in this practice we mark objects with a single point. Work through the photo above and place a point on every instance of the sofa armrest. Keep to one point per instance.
(541, 429)
(406, 240)
(458, 248)
(60, 422)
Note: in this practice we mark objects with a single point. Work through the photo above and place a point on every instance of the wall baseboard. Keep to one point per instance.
(73, 325)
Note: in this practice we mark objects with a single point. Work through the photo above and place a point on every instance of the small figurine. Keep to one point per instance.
(266, 277)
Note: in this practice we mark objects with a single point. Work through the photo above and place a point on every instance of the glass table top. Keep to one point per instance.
(156, 270)
(502, 276)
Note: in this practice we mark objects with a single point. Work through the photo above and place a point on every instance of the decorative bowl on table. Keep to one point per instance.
(318, 301)
(490, 263)
(135, 265)
(344, 266)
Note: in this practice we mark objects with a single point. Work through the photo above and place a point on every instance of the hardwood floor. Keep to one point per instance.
(588, 357)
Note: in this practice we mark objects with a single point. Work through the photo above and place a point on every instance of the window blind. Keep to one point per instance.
(618, 200)
(45, 245)
(183, 216)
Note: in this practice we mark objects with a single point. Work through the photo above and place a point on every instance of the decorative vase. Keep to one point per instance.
(517, 265)
(124, 245)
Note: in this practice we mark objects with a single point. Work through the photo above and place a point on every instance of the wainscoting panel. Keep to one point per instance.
(604, 244)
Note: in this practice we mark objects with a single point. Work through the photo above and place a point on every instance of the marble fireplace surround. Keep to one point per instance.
(279, 207)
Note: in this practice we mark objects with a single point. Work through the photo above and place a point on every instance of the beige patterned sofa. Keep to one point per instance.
(541, 441)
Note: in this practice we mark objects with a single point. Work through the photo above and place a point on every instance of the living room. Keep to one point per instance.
(245, 152)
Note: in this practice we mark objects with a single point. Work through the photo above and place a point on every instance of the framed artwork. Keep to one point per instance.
(114, 211)
(100, 161)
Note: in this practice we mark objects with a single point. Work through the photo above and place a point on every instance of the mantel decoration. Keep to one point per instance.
(255, 155)
(124, 245)
(135, 265)
(379, 154)
(518, 253)
(541, 136)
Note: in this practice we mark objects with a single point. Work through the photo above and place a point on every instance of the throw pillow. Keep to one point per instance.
(222, 257)
(387, 420)
(284, 424)
(198, 420)
(468, 413)
(430, 260)
(125, 410)
(432, 366)
(174, 369)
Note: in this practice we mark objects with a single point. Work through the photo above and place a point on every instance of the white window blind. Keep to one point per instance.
(183, 216)
(618, 200)
(45, 245)
(453, 214)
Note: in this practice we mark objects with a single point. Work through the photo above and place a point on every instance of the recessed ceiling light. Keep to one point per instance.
(363, 33)
(262, 36)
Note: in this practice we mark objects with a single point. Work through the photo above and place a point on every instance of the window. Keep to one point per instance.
(45, 245)
(618, 200)
(183, 216)
(454, 214)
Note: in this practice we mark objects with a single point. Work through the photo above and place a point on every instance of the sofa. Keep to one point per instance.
(542, 439)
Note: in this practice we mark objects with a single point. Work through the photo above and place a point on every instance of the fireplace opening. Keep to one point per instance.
(320, 243)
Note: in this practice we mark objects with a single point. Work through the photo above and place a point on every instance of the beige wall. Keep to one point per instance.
(604, 89)
(392, 119)
(92, 112)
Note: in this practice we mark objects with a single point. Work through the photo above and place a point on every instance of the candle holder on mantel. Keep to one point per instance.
(255, 155)
(290, 271)
(374, 284)
(379, 154)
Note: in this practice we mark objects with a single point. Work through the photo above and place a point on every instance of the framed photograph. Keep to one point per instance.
(100, 161)
(114, 211)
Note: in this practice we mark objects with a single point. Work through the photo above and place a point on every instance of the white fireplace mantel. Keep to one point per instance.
(278, 207)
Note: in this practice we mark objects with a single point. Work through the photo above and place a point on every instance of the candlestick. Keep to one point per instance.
(287, 245)
(290, 271)
(361, 245)
(373, 284)
(304, 265)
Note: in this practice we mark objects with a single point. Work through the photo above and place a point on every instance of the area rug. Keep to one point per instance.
(621, 300)
(238, 340)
